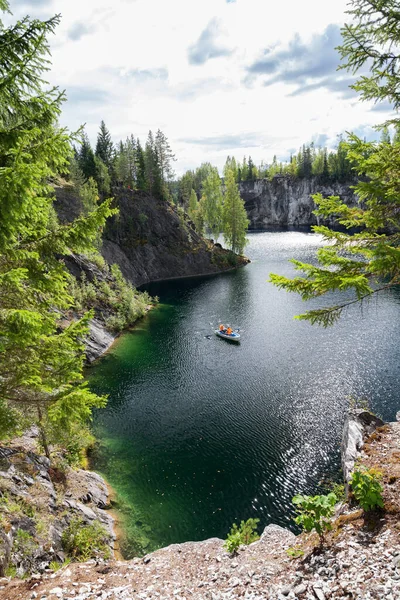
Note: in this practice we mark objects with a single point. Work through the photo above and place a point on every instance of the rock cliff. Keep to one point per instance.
(151, 240)
(286, 201)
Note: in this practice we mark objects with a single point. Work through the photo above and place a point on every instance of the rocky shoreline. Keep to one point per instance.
(360, 558)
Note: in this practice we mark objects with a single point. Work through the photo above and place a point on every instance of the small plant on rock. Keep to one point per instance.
(367, 488)
(295, 552)
(245, 534)
(315, 512)
(83, 542)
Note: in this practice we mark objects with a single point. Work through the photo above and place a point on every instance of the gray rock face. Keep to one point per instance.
(276, 534)
(41, 501)
(149, 240)
(358, 424)
(286, 201)
(98, 341)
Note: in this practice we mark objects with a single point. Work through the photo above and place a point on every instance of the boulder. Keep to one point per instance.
(358, 425)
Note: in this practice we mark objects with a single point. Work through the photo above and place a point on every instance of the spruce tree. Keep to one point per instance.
(85, 157)
(325, 168)
(105, 147)
(41, 363)
(165, 157)
(367, 262)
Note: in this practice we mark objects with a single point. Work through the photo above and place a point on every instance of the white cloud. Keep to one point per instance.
(129, 62)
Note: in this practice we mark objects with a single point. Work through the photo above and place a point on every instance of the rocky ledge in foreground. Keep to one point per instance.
(360, 559)
(40, 504)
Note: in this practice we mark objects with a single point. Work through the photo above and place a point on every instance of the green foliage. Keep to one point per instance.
(165, 157)
(40, 363)
(83, 542)
(125, 163)
(24, 542)
(212, 203)
(89, 195)
(154, 179)
(196, 212)
(367, 489)
(295, 552)
(369, 261)
(315, 512)
(55, 566)
(234, 215)
(371, 40)
(105, 146)
(245, 534)
(85, 157)
(102, 177)
(114, 297)
(339, 490)
(11, 571)
(16, 506)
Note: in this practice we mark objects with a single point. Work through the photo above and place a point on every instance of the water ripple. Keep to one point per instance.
(199, 433)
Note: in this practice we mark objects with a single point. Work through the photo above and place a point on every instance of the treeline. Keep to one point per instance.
(127, 164)
(309, 162)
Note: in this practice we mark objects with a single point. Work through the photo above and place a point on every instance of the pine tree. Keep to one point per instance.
(165, 157)
(153, 170)
(250, 167)
(102, 177)
(141, 180)
(85, 157)
(325, 168)
(40, 363)
(235, 220)
(105, 147)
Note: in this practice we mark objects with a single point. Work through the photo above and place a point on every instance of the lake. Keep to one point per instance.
(199, 432)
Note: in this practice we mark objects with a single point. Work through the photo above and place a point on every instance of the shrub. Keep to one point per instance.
(338, 489)
(83, 542)
(315, 512)
(367, 488)
(245, 534)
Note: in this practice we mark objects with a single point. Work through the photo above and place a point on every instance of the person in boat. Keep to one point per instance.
(229, 331)
(222, 329)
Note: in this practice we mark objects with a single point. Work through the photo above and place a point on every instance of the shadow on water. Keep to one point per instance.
(199, 433)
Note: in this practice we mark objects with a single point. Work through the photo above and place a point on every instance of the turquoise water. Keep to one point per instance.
(199, 432)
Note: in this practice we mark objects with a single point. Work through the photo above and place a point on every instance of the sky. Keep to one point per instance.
(218, 77)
